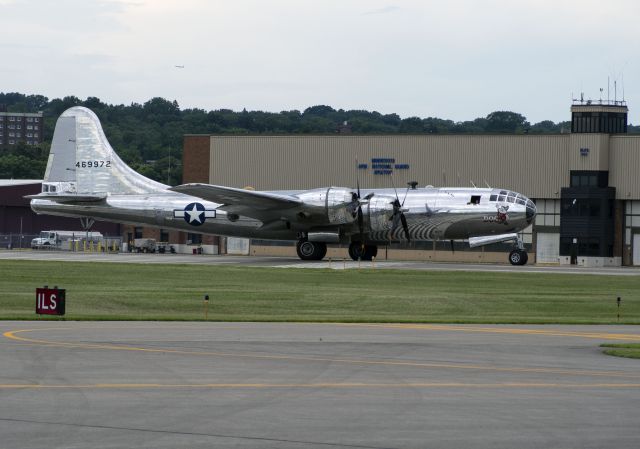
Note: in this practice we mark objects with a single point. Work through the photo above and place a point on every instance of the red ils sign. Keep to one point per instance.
(50, 301)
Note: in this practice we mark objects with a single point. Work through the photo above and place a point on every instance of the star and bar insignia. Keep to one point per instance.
(194, 214)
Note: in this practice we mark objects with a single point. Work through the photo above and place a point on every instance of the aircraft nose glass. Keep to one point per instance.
(531, 210)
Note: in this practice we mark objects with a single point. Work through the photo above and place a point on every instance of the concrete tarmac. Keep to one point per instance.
(288, 262)
(280, 385)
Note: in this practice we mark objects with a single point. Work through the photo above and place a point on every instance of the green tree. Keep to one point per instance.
(146, 135)
(506, 122)
(411, 125)
(14, 166)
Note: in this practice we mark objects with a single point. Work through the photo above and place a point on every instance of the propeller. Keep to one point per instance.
(356, 207)
(398, 215)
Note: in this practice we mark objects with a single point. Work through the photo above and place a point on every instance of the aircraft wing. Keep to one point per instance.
(249, 203)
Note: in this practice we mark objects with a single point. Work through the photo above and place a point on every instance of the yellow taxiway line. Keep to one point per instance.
(405, 363)
(503, 330)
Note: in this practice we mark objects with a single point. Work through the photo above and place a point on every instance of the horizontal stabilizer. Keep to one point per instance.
(70, 198)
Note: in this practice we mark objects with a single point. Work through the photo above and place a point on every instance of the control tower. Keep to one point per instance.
(599, 116)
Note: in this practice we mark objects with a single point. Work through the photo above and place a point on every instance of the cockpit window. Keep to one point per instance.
(503, 192)
(501, 198)
(493, 197)
(511, 199)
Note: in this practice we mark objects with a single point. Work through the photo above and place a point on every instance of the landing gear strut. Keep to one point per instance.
(311, 250)
(518, 256)
(363, 252)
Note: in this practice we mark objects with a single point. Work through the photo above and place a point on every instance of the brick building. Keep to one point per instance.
(16, 127)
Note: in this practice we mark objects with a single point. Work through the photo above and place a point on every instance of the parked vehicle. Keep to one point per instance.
(62, 239)
(144, 246)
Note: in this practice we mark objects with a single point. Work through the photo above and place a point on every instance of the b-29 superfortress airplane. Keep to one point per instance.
(85, 178)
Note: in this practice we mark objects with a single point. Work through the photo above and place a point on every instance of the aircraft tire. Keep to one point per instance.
(355, 250)
(311, 250)
(370, 251)
(518, 257)
(321, 251)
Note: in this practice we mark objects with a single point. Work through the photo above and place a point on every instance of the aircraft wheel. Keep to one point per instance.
(311, 250)
(321, 251)
(305, 249)
(518, 257)
(355, 250)
(370, 251)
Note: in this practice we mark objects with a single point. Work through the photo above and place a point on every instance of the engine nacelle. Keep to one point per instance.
(340, 208)
(380, 212)
(337, 201)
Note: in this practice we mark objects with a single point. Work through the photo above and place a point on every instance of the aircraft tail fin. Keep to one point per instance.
(82, 162)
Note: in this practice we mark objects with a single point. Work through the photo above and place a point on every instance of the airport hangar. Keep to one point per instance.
(585, 183)
(19, 224)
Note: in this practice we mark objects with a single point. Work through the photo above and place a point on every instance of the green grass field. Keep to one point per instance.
(110, 291)
(629, 350)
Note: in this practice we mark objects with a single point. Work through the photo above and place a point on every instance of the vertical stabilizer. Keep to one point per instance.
(82, 161)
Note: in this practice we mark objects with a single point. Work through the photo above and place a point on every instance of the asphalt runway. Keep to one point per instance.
(266, 385)
(289, 262)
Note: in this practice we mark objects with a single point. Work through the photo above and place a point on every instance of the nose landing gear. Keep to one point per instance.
(518, 256)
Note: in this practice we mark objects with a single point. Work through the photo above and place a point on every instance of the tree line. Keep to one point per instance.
(149, 136)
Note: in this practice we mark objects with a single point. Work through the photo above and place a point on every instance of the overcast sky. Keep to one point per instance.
(454, 59)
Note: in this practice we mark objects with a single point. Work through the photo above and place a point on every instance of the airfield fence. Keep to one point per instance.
(16, 241)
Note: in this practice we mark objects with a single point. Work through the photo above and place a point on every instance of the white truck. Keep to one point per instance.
(144, 246)
(62, 239)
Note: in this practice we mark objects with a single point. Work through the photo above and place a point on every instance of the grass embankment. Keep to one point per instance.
(110, 291)
(630, 350)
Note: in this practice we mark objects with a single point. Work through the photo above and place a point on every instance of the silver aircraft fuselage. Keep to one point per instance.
(432, 214)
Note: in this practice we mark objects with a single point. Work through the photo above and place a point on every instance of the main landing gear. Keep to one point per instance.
(363, 252)
(518, 256)
(317, 250)
(311, 250)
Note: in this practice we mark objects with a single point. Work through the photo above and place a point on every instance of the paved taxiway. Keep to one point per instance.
(267, 385)
(288, 262)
